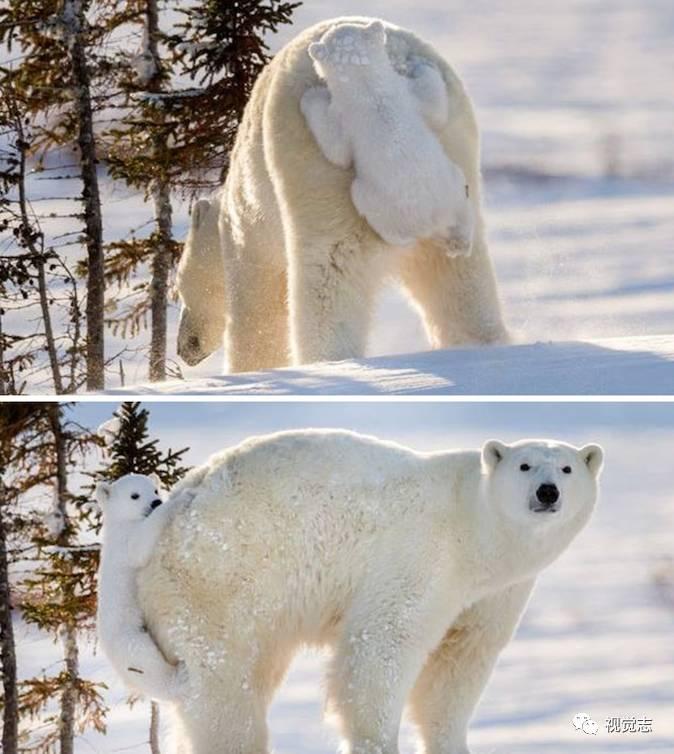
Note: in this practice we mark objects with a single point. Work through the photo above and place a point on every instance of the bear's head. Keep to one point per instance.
(130, 498)
(346, 49)
(541, 482)
(200, 283)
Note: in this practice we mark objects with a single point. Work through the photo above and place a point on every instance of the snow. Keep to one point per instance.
(597, 637)
(577, 119)
(609, 366)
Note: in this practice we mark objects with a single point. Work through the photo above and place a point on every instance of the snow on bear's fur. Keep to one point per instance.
(133, 519)
(413, 568)
(299, 268)
(380, 121)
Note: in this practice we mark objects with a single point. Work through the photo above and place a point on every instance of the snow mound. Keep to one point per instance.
(642, 365)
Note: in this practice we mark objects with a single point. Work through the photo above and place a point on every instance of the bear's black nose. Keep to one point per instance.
(155, 503)
(548, 494)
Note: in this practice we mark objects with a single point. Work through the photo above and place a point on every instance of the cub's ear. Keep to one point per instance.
(103, 493)
(376, 30)
(199, 212)
(493, 452)
(318, 51)
(155, 480)
(593, 456)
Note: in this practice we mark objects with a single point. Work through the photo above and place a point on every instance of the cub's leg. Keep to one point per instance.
(445, 695)
(140, 662)
(325, 126)
(430, 91)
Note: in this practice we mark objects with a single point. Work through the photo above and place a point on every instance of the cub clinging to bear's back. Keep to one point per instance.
(133, 519)
(381, 122)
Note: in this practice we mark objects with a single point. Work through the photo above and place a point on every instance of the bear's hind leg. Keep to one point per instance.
(457, 296)
(385, 642)
(333, 284)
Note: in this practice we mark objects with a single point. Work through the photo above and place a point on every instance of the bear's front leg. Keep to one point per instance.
(447, 691)
(324, 124)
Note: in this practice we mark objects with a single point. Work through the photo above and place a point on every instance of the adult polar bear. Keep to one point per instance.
(414, 568)
(301, 267)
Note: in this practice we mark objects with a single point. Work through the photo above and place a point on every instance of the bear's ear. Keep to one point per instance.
(593, 456)
(376, 31)
(103, 494)
(156, 481)
(318, 51)
(199, 212)
(493, 452)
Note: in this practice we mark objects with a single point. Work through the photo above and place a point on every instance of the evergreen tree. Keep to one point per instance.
(32, 275)
(58, 76)
(221, 47)
(59, 595)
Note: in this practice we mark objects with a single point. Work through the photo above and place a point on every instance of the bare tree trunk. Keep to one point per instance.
(38, 253)
(69, 630)
(3, 390)
(48, 329)
(161, 265)
(90, 194)
(10, 713)
(154, 728)
(161, 260)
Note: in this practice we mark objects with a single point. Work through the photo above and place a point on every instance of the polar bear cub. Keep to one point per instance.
(132, 523)
(382, 122)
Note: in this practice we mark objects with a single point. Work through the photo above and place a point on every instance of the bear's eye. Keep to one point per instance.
(525, 467)
(567, 469)
(135, 496)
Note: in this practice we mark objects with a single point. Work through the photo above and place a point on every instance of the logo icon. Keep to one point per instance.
(582, 721)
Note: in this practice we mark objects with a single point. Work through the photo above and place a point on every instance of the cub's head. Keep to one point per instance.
(345, 48)
(201, 286)
(131, 498)
(541, 481)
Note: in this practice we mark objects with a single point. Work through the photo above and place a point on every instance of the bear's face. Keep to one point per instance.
(200, 284)
(542, 482)
(131, 498)
(346, 49)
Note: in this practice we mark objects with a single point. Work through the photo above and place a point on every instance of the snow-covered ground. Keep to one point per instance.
(575, 107)
(609, 366)
(598, 636)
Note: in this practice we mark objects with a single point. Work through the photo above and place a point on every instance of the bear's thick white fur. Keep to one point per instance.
(414, 568)
(133, 519)
(302, 267)
(380, 121)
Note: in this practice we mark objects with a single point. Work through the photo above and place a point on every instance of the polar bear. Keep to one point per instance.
(132, 524)
(414, 568)
(302, 268)
(405, 185)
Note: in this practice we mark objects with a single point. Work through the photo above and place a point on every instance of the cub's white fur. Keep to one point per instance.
(414, 568)
(380, 121)
(292, 271)
(133, 520)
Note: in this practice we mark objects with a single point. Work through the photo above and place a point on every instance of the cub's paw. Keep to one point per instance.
(315, 99)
